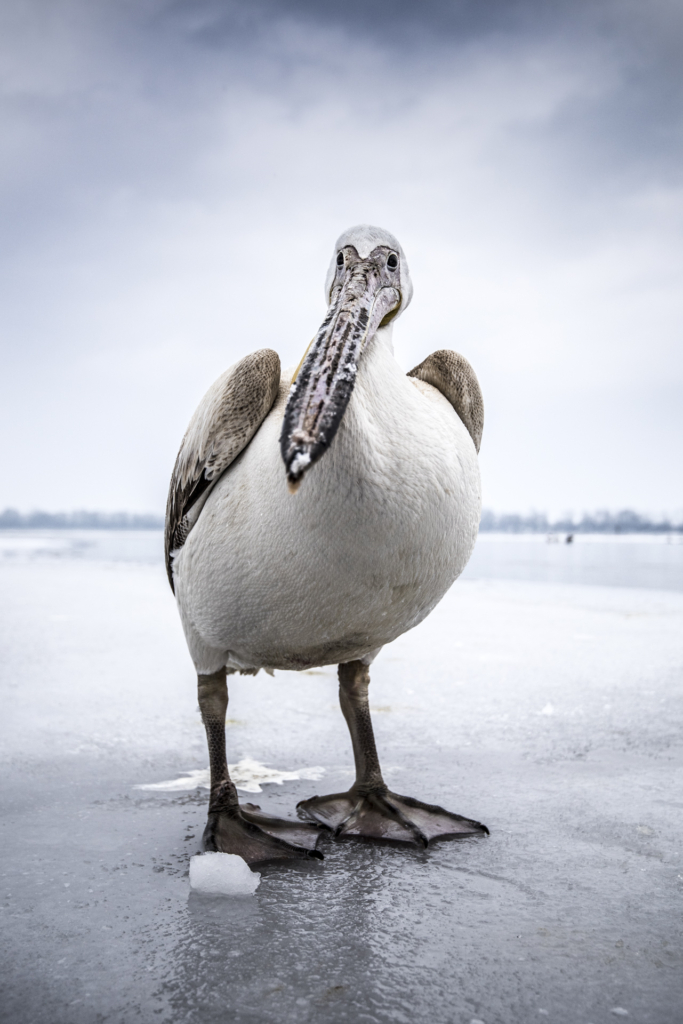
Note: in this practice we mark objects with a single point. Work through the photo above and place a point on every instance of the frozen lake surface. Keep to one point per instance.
(543, 697)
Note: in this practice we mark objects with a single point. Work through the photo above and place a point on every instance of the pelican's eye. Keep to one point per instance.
(340, 259)
(392, 262)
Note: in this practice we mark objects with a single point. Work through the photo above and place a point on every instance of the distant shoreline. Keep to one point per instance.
(622, 522)
(625, 521)
(12, 520)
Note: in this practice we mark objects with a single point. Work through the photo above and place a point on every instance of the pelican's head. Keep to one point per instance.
(367, 286)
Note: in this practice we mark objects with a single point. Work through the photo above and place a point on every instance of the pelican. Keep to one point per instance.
(312, 518)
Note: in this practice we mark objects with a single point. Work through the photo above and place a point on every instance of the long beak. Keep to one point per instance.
(321, 391)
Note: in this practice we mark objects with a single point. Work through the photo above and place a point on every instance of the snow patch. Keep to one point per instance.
(222, 874)
(248, 775)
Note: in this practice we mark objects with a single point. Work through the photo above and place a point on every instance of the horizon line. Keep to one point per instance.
(602, 521)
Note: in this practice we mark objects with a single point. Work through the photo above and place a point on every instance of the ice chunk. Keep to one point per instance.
(222, 874)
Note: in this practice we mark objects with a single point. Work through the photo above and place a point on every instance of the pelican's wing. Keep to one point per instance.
(453, 376)
(227, 418)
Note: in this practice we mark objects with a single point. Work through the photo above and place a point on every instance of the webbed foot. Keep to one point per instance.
(381, 814)
(258, 837)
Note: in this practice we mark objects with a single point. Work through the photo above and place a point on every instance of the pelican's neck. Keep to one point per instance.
(385, 335)
(378, 371)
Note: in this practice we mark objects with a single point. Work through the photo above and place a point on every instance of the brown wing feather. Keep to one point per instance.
(453, 376)
(226, 419)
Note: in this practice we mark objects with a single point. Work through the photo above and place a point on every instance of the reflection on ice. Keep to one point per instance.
(35, 543)
(623, 560)
(248, 775)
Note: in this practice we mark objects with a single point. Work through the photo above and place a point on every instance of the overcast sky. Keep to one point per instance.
(175, 174)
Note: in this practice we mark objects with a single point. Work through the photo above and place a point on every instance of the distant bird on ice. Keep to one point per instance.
(313, 518)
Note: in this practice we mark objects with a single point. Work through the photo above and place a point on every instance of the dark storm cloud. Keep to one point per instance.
(404, 25)
(127, 91)
(174, 52)
(397, 25)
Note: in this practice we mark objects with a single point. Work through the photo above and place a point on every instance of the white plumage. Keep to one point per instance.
(375, 535)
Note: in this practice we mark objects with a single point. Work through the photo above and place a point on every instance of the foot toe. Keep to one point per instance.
(387, 816)
(435, 822)
(297, 833)
(258, 837)
(329, 811)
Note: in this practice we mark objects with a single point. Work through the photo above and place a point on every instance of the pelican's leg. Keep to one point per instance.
(232, 828)
(369, 809)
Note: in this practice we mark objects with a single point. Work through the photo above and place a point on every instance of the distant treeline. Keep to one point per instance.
(597, 522)
(10, 519)
(507, 522)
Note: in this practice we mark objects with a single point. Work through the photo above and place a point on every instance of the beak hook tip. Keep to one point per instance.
(296, 469)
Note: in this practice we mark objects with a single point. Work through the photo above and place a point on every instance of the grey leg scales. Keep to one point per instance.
(244, 829)
(369, 809)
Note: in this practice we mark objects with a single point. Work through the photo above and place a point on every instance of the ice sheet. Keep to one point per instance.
(571, 906)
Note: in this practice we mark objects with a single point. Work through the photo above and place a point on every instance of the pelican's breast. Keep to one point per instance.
(378, 530)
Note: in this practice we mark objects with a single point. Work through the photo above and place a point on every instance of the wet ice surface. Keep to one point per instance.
(549, 710)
